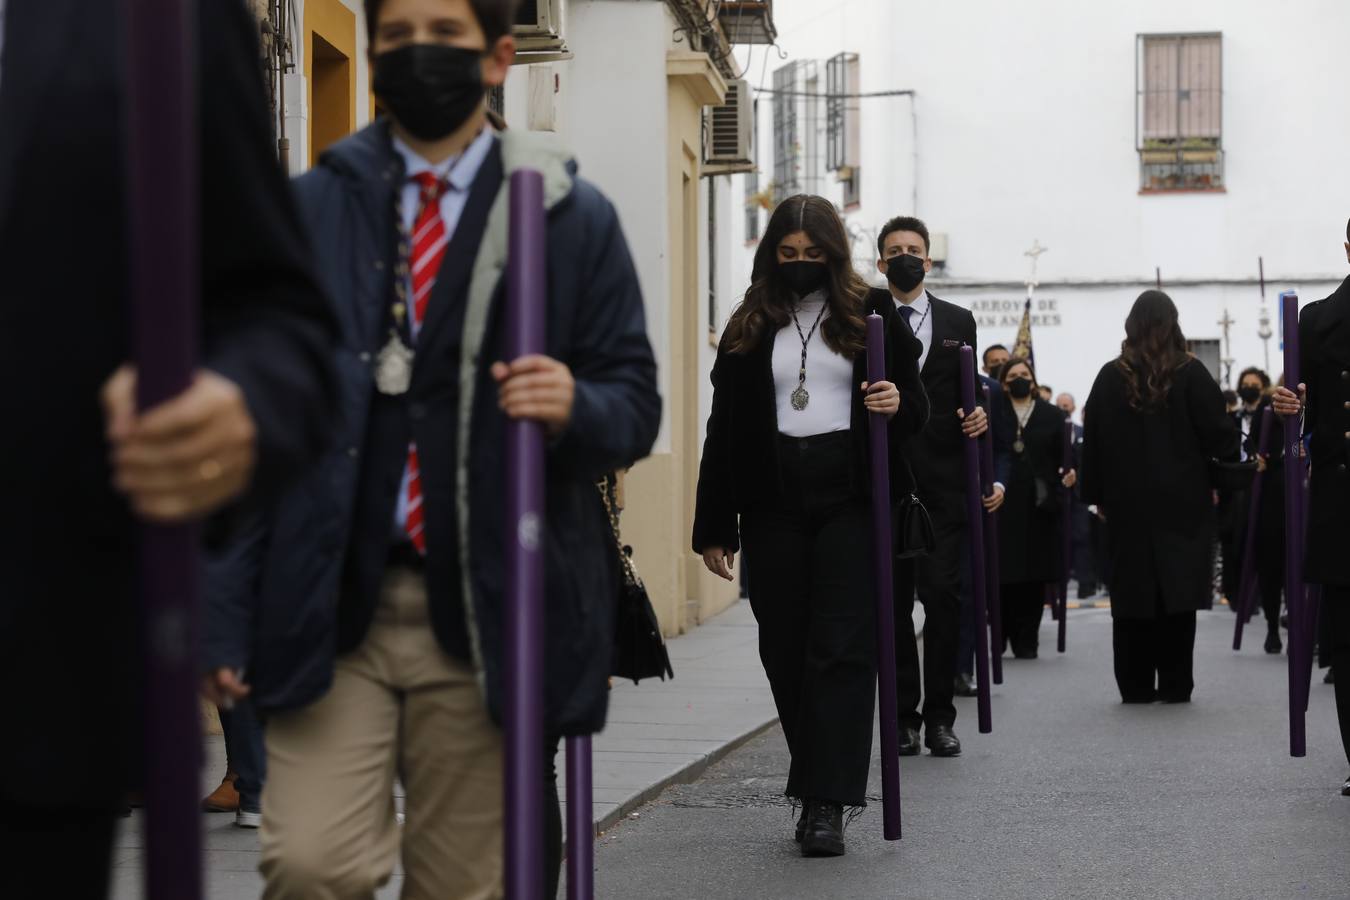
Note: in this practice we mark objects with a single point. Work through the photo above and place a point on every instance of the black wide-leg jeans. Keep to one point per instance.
(1154, 657)
(810, 561)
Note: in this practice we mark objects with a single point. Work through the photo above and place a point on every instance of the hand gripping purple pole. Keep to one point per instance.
(1293, 528)
(993, 602)
(1247, 587)
(975, 532)
(162, 189)
(1066, 541)
(884, 585)
(580, 820)
(526, 293)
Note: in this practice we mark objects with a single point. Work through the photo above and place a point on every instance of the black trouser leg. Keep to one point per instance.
(1175, 636)
(1336, 615)
(938, 579)
(812, 596)
(54, 852)
(553, 826)
(1270, 579)
(1023, 609)
(1135, 661)
(908, 673)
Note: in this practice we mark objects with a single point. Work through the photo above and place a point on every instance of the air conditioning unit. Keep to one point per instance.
(729, 132)
(539, 26)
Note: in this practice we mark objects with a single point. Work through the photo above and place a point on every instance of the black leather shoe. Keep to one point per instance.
(1273, 642)
(801, 821)
(965, 686)
(909, 742)
(824, 832)
(1345, 789)
(942, 741)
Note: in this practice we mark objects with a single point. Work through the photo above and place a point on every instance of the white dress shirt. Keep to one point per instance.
(1247, 419)
(920, 321)
(461, 172)
(829, 376)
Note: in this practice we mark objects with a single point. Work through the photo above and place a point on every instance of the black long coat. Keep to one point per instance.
(740, 468)
(1324, 334)
(1030, 538)
(1149, 472)
(68, 644)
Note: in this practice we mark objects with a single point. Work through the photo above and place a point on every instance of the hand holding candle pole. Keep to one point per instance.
(975, 534)
(883, 583)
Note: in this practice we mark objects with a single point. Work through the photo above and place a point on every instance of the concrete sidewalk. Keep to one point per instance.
(659, 734)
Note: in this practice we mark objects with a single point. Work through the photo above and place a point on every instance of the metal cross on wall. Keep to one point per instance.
(1226, 323)
(1035, 253)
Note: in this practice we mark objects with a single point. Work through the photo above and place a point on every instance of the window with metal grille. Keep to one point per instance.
(843, 126)
(786, 141)
(1179, 112)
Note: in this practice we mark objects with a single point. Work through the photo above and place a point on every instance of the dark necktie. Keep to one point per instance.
(908, 313)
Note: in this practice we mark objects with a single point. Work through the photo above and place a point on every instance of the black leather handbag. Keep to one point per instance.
(913, 529)
(1231, 477)
(639, 650)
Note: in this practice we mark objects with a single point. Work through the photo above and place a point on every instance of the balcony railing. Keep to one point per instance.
(1193, 164)
(748, 23)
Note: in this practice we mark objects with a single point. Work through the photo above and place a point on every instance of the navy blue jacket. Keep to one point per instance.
(272, 595)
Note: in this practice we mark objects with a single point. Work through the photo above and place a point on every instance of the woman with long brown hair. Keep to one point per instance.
(1153, 426)
(785, 474)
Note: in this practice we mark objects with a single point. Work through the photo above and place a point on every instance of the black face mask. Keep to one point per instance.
(430, 89)
(1250, 394)
(905, 272)
(1020, 388)
(803, 276)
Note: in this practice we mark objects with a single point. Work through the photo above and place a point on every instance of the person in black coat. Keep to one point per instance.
(785, 474)
(370, 617)
(1324, 363)
(1154, 422)
(258, 412)
(1253, 385)
(937, 454)
(1031, 522)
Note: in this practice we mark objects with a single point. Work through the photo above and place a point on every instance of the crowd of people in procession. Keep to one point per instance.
(350, 418)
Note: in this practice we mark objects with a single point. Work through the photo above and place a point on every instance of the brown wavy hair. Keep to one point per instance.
(1153, 350)
(768, 302)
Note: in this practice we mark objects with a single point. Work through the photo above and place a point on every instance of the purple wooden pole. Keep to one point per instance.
(883, 578)
(580, 821)
(975, 531)
(526, 292)
(1066, 542)
(1293, 527)
(162, 189)
(1247, 588)
(994, 602)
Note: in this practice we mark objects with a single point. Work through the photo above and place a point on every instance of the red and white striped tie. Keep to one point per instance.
(429, 240)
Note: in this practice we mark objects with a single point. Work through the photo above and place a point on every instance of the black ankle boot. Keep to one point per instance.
(801, 820)
(824, 831)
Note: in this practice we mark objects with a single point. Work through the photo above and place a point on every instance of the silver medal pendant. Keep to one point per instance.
(800, 398)
(1018, 446)
(393, 367)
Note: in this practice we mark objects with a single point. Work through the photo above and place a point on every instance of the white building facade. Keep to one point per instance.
(1192, 143)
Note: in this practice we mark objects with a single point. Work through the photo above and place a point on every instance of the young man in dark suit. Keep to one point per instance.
(367, 607)
(939, 469)
(75, 469)
(1324, 349)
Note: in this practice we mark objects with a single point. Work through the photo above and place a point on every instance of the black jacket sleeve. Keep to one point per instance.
(233, 574)
(1217, 434)
(1090, 478)
(616, 409)
(715, 522)
(267, 326)
(904, 351)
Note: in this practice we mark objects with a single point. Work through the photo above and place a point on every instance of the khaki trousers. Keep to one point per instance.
(398, 706)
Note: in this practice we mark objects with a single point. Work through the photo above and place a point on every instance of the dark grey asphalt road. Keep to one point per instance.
(1072, 796)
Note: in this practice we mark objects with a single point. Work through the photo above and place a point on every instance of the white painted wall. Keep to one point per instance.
(611, 113)
(1026, 130)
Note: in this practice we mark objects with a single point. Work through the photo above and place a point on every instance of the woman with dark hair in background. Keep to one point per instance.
(1154, 422)
(1029, 522)
(786, 453)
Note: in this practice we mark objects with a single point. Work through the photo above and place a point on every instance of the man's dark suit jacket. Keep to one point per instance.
(67, 542)
(938, 457)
